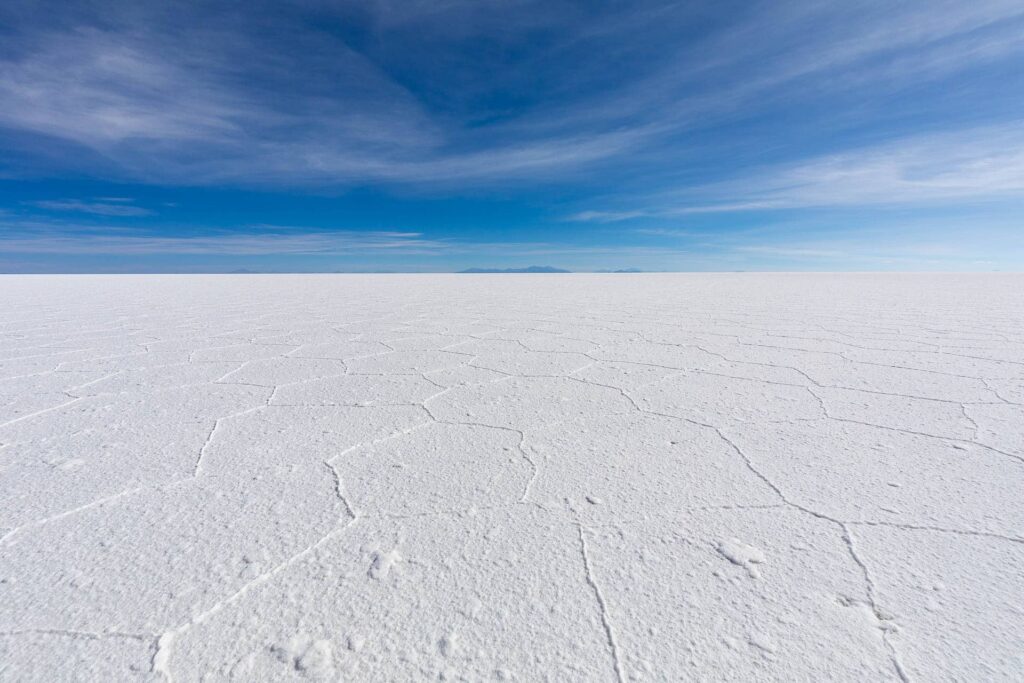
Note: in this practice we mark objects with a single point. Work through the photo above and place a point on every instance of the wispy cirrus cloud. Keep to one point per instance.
(168, 114)
(969, 165)
(255, 244)
(798, 50)
(591, 216)
(257, 240)
(205, 100)
(113, 206)
(552, 124)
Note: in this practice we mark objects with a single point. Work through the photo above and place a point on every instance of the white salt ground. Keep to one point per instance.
(564, 477)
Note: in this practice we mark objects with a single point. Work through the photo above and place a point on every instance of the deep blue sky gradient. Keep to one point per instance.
(439, 135)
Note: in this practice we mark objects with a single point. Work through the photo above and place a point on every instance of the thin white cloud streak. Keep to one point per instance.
(49, 238)
(879, 249)
(971, 165)
(591, 216)
(296, 244)
(836, 36)
(795, 252)
(606, 216)
(284, 241)
(113, 206)
(974, 164)
(528, 160)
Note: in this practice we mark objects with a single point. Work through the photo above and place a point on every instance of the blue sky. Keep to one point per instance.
(437, 135)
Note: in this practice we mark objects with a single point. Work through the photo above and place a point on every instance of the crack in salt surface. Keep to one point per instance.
(41, 412)
(160, 663)
(785, 500)
(68, 513)
(873, 601)
(520, 446)
(602, 606)
(339, 487)
(938, 529)
(604, 329)
(131, 491)
(197, 469)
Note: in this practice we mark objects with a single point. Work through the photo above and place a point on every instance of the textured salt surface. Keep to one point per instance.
(565, 477)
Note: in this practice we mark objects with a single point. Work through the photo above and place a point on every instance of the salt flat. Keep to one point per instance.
(512, 477)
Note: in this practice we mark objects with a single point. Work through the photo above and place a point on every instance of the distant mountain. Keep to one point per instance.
(531, 269)
(621, 270)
